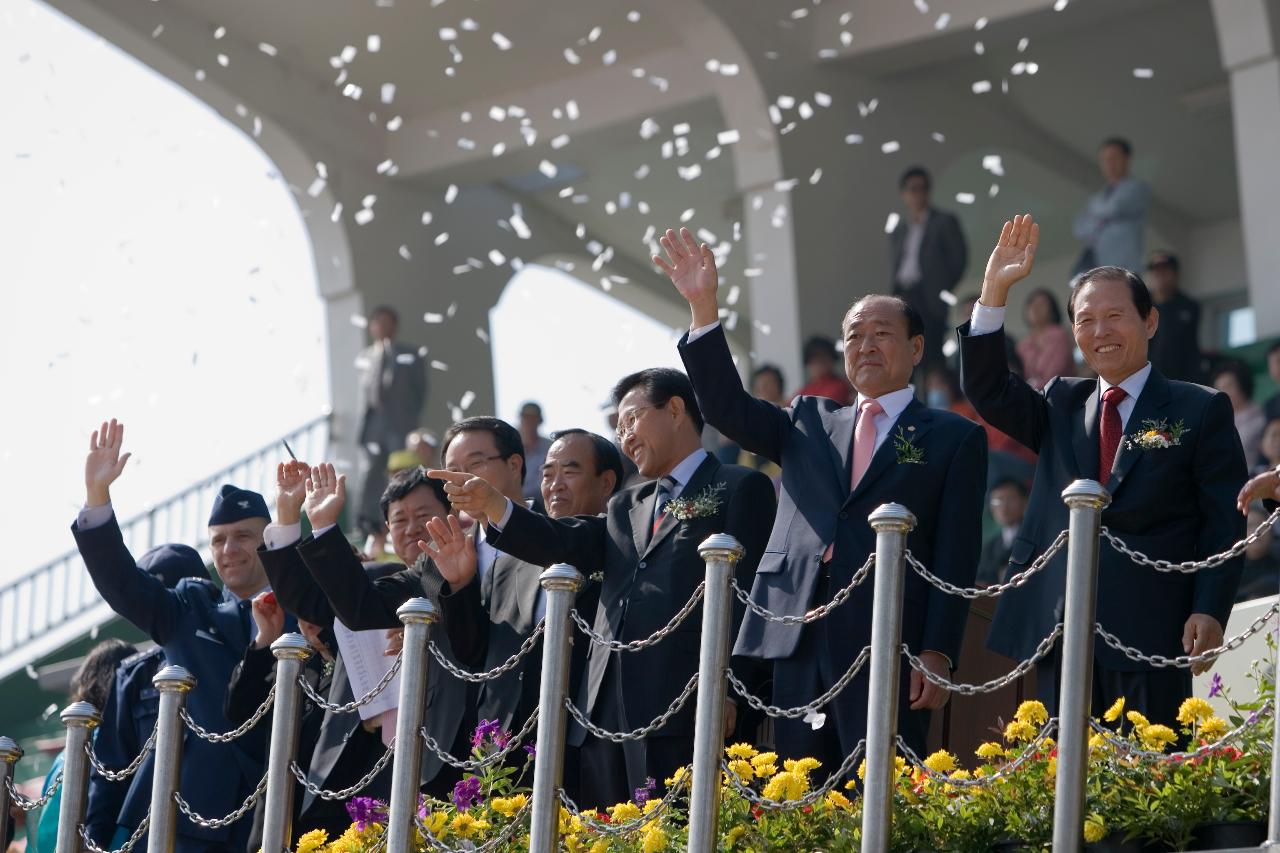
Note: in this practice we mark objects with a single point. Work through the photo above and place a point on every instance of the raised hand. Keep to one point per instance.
(105, 463)
(452, 550)
(326, 495)
(693, 271)
(1265, 486)
(291, 491)
(268, 615)
(1010, 260)
(472, 495)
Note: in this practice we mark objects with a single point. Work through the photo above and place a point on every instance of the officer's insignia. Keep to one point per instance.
(243, 504)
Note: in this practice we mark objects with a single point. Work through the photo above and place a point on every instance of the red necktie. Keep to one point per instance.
(1111, 432)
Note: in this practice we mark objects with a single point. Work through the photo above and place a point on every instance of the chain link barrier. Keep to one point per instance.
(517, 823)
(323, 794)
(1127, 748)
(816, 613)
(1008, 769)
(471, 765)
(124, 848)
(1191, 566)
(218, 823)
(120, 775)
(841, 773)
(238, 732)
(998, 683)
(652, 640)
(348, 707)
(499, 670)
(28, 805)
(801, 710)
(1184, 661)
(972, 592)
(642, 732)
(683, 779)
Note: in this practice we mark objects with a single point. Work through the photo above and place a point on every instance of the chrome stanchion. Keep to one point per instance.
(1273, 817)
(81, 719)
(561, 583)
(417, 614)
(10, 753)
(174, 683)
(1087, 499)
(721, 553)
(891, 522)
(291, 652)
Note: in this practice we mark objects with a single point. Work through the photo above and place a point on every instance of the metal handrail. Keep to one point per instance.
(59, 592)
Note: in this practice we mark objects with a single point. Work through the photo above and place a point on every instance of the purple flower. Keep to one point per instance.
(501, 738)
(423, 811)
(487, 729)
(364, 811)
(531, 751)
(466, 792)
(1215, 685)
(643, 794)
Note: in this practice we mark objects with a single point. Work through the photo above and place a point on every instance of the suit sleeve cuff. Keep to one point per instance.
(694, 334)
(94, 516)
(985, 319)
(278, 536)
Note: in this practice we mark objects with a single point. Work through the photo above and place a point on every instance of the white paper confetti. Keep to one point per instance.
(548, 169)
(450, 193)
(560, 141)
(891, 222)
(448, 34)
(937, 137)
(442, 238)
(571, 56)
(501, 41)
(727, 137)
(981, 23)
(348, 53)
(890, 147)
(432, 318)
(822, 99)
(981, 87)
(943, 21)
(497, 258)
(364, 216)
(1059, 5)
(268, 49)
(394, 123)
(965, 198)
(1144, 73)
(405, 253)
(816, 176)
(853, 139)
(373, 43)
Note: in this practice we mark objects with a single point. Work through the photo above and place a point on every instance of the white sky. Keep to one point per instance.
(150, 253)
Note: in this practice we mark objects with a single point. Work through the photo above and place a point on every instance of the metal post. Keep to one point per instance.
(10, 752)
(891, 522)
(1273, 817)
(721, 553)
(291, 651)
(561, 583)
(81, 719)
(174, 683)
(417, 614)
(1087, 499)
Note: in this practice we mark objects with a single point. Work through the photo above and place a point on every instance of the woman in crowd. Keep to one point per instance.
(1234, 379)
(1047, 350)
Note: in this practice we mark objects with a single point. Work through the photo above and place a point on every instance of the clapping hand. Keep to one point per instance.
(105, 463)
(693, 271)
(1010, 260)
(326, 495)
(291, 491)
(452, 550)
(1265, 486)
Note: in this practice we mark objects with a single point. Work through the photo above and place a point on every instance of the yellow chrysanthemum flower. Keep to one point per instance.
(1113, 713)
(624, 812)
(1157, 736)
(1213, 728)
(837, 800)
(979, 773)
(787, 785)
(507, 806)
(735, 835)
(655, 840)
(1032, 711)
(941, 762)
(675, 778)
(764, 758)
(1095, 829)
(1193, 710)
(312, 841)
(862, 774)
(961, 774)
(899, 764)
(742, 769)
(1051, 769)
(1018, 731)
(1137, 719)
(1097, 742)
(744, 751)
(435, 823)
(467, 826)
(989, 750)
(801, 765)
(601, 846)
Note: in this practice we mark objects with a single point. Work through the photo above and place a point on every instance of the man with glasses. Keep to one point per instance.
(646, 549)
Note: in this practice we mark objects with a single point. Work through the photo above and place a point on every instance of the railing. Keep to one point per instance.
(54, 603)
(541, 815)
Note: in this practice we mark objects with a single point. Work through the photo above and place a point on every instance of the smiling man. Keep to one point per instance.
(1172, 497)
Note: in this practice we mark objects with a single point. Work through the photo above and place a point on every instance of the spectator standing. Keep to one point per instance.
(536, 446)
(1175, 347)
(1048, 349)
(1272, 405)
(821, 378)
(1234, 379)
(1113, 223)
(1008, 504)
(1269, 447)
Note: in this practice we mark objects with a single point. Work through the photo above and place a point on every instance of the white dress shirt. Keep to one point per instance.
(909, 272)
(893, 403)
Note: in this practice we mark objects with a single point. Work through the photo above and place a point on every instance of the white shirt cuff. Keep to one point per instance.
(94, 516)
(320, 531)
(985, 319)
(506, 516)
(278, 536)
(694, 334)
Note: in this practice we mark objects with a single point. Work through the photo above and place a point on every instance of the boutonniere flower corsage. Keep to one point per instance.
(702, 505)
(905, 447)
(596, 577)
(1157, 435)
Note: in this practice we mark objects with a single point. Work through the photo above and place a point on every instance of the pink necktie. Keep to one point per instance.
(864, 447)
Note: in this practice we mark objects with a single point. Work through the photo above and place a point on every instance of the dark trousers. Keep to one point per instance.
(1156, 693)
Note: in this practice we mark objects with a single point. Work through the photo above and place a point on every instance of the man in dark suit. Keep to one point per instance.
(200, 627)
(650, 565)
(1008, 505)
(1175, 347)
(927, 255)
(838, 465)
(1167, 453)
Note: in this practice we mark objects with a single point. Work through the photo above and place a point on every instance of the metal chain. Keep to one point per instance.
(801, 710)
(348, 707)
(995, 589)
(30, 805)
(623, 827)
(124, 848)
(1043, 649)
(517, 822)
(120, 775)
(816, 613)
(842, 772)
(323, 794)
(657, 636)
(218, 823)
(1008, 769)
(1166, 757)
(642, 732)
(1184, 661)
(1191, 566)
(499, 670)
(227, 737)
(473, 764)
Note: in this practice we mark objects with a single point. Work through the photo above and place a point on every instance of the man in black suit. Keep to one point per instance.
(648, 557)
(927, 254)
(838, 465)
(1008, 505)
(1167, 453)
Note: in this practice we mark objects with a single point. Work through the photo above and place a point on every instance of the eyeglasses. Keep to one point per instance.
(627, 425)
(475, 464)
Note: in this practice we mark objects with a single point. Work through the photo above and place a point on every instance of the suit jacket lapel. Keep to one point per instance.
(701, 478)
(1154, 397)
(914, 423)
(1084, 430)
(641, 516)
